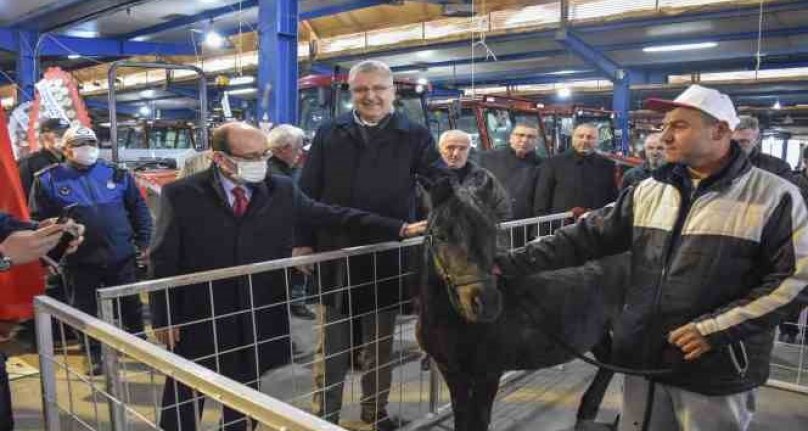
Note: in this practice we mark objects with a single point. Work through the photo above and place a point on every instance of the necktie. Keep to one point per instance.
(240, 202)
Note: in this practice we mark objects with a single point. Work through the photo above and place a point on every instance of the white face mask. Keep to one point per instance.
(85, 155)
(251, 171)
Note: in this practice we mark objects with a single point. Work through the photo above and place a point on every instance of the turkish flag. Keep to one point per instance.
(19, 285)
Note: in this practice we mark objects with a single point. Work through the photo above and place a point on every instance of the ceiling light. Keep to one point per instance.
(242, 80)
(242, 91)
(144, 110)
(682, 47)
(564, 92)
(565, 72)
(213, 39)
(74, 56)
(423, 81)
(777, 105)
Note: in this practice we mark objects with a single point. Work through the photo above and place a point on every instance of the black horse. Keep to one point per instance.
(476, 327)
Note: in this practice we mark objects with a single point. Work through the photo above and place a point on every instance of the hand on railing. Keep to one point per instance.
(303, 251)
(168, 336)
(413, 229)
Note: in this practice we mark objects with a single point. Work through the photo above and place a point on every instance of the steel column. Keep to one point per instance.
(27, 67)
(277, 61)
(621, 104)
(621, 100)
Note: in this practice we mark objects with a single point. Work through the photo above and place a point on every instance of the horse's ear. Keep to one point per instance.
(422, 187)
(442, 189)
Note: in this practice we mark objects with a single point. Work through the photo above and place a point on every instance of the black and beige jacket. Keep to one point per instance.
(730, 255)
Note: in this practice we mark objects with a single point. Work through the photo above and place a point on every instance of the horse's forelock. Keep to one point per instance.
(466, 221)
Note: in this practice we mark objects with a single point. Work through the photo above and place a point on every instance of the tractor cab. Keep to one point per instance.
(488, 119)
(323, 97)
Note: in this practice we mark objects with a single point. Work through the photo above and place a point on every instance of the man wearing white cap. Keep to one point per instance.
(718, 259)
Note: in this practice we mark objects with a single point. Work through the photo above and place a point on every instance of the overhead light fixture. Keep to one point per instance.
(564, 92)
(777, 105)
(242, 91)
(242, 80)
(213, 39)
(423, 81)
(144, 110)
(565, 72)
(74, 56)
(681, 47)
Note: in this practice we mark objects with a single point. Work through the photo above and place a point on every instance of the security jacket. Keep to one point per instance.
(730, 255)
(109, 205)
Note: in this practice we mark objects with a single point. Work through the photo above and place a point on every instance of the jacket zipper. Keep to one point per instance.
(681, 220)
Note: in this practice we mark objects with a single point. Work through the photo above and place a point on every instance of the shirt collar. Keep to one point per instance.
(362, 122)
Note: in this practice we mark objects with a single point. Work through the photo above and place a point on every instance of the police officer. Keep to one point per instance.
(50, 138)
(118, 225)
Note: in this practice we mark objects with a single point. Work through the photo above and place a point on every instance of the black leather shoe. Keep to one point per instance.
(383, 422)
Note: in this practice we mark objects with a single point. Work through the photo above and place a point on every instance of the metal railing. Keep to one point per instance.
(74, 400)
(789, 360)
(254, 338)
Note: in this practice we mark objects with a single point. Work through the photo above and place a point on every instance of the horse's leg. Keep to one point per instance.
(460, 392)
(483, 393)
(592, 398)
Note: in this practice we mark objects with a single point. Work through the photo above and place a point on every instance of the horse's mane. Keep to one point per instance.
(467, 220)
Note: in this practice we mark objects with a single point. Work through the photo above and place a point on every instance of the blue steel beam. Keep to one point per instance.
(784, 32)
(621, 98)
(621, 105)
(591, 55)
(8, 40)
(277, 61)
(248, 4)
(27, 67)
(52, 45)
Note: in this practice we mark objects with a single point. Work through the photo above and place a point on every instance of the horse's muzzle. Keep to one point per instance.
(481, 303)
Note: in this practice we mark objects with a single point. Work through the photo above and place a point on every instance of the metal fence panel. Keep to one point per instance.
(127, 399)
(789, 361)
(239, 322)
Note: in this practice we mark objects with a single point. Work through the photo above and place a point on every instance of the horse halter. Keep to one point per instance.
(451, 284)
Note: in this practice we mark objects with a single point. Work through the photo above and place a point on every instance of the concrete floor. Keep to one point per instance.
(542, 400)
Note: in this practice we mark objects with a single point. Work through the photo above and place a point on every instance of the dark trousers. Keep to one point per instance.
(6, 416)
(82, 282)
(183, 417)
(180, 410)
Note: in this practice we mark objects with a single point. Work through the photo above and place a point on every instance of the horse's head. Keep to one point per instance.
(461, 245)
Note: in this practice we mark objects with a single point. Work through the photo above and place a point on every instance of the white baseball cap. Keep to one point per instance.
(712, 102)
(78, 134)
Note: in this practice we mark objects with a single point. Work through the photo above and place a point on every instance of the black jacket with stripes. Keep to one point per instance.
(730, 256)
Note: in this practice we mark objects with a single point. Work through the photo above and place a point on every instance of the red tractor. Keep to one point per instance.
(488, 119)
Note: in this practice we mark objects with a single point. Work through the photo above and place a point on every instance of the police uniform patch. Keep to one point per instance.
(64, 190)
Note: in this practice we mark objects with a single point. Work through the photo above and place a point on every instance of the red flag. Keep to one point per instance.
(19, 285)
